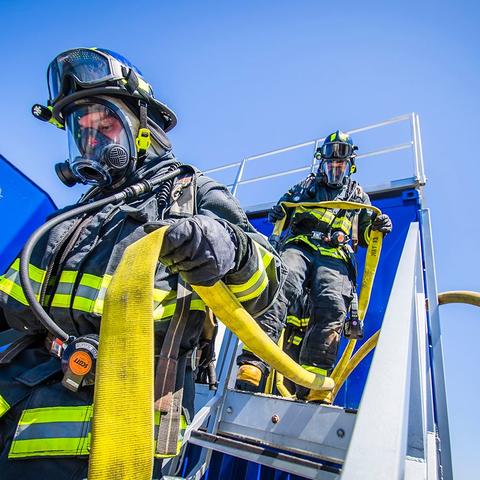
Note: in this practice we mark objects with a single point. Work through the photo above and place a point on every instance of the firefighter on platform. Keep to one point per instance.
(318, 263)
(117, 137)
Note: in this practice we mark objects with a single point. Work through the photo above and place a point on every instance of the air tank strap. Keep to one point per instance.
(170, 375)
(355, 231)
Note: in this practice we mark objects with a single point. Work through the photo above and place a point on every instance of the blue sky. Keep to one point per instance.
(246, 77)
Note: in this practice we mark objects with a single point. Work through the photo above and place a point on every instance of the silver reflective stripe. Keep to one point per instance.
(52, 430)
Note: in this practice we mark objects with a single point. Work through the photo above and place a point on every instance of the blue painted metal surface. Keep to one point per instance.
(23, 207)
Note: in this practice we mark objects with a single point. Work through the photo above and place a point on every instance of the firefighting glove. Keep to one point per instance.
(382, 223)
(275, 214)
(200, 248)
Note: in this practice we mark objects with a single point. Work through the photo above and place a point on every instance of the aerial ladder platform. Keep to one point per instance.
(389, 419)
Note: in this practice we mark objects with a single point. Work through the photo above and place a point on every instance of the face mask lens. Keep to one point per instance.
(335, 170)
(95, 136)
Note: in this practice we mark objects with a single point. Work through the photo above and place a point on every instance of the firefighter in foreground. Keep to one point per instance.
(116, 137)
(316, 249)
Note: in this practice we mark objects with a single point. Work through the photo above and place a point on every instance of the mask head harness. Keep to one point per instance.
(90, 73)
(337, 159)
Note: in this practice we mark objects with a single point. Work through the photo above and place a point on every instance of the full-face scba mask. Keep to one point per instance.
(337, 159)
(101, 142)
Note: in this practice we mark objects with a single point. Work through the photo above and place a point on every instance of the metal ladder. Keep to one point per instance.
(393, 433)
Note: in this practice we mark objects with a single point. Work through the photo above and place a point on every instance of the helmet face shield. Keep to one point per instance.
(336, 150)
(335, 170)
(83, 66)
(100, 142)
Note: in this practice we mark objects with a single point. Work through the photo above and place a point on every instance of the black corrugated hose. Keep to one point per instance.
(126, 194)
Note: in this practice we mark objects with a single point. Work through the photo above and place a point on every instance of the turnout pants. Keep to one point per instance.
(330, 293)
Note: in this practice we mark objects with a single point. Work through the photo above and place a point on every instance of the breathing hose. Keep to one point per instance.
(127, 193)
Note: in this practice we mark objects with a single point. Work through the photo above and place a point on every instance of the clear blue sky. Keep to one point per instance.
(245, 77)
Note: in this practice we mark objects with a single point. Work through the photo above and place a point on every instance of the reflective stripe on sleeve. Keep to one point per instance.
(297, 322)
(11, 286)
(4, 406)
(257, 283)
(296, 340)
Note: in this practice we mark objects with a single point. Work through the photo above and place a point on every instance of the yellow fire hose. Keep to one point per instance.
(459, 296)
(444, 298)
(123, 418)
(371, 263)
(279, 378)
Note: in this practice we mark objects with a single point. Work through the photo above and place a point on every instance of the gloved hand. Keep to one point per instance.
(200, 248)
(382, 223)
(275, 214)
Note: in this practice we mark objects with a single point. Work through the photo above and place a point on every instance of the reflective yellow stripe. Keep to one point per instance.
(10, 282)
(56, 414)
(297, 322)
(68, 276)
(13, 290)
(343, 223)
(160, 295)
(83, 304)
(258, 281)
(264, 259)
(296, 340)
(35, 273)
(321, 214)
(167, 311)
(333, 252)
(61, 300)
(98, 307)
(329, 252)
(92, 281)
(50, 447)
(4, 406)
(63, 446)
(311, 368)
(257, 292)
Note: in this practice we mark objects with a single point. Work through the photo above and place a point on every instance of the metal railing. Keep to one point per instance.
(413, 145)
